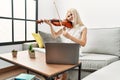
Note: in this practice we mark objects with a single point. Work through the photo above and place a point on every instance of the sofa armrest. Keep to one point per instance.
(27, 44)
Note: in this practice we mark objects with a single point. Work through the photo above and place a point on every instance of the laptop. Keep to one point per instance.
(62, 53)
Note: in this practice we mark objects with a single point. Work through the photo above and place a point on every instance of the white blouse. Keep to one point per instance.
(75, 32)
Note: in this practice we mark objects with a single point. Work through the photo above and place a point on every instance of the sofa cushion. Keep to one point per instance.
(47, 38)
(95, 61)
(110, 72)
(103, 40)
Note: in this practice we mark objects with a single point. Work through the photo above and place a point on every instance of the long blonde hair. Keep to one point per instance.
(76, 17)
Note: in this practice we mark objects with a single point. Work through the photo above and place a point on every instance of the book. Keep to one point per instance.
(13, 78)
(24, 76)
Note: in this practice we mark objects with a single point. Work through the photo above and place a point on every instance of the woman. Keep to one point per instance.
(76, 34)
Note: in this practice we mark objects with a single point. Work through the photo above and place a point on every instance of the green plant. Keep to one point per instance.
(30, 47)
(14, 50)
(31, 51)
(14, 53)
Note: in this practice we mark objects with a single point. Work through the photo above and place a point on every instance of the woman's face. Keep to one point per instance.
(69, 16)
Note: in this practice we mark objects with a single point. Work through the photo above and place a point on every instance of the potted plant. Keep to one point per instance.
(30, 48)
(14, 53)
(31, 52)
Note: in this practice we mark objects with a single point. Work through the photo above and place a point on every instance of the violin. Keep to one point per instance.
(57, 22)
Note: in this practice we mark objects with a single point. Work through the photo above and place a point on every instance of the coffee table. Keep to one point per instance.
(39, 65)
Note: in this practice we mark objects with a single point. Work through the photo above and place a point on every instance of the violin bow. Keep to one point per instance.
(57, 12)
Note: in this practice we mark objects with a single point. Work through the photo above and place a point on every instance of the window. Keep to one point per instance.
(17, 21)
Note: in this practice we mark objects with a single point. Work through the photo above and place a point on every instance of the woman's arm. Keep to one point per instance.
(81, 41)
(54, 34)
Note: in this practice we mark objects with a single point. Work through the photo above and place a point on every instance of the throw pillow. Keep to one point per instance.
(38, 39)
(47, 38)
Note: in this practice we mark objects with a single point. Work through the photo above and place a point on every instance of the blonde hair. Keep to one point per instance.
(76, 17)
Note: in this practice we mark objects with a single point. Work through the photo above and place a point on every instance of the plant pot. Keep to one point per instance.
(32, 54)
(14, 54)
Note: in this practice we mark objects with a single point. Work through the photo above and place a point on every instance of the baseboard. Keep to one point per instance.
(6, 69)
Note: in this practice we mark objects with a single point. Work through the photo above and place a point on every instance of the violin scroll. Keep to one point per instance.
(39, 21)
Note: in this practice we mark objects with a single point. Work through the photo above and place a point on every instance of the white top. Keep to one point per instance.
(75, 32)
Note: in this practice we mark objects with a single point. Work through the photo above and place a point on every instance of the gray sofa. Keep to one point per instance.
(109, 72)
(102, 48)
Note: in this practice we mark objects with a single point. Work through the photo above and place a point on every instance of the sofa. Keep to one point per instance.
(109, 72)
(102, 48)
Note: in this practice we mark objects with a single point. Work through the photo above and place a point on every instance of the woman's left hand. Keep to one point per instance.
(48, 22)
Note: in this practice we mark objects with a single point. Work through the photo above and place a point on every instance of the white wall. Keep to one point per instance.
(94, 13)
